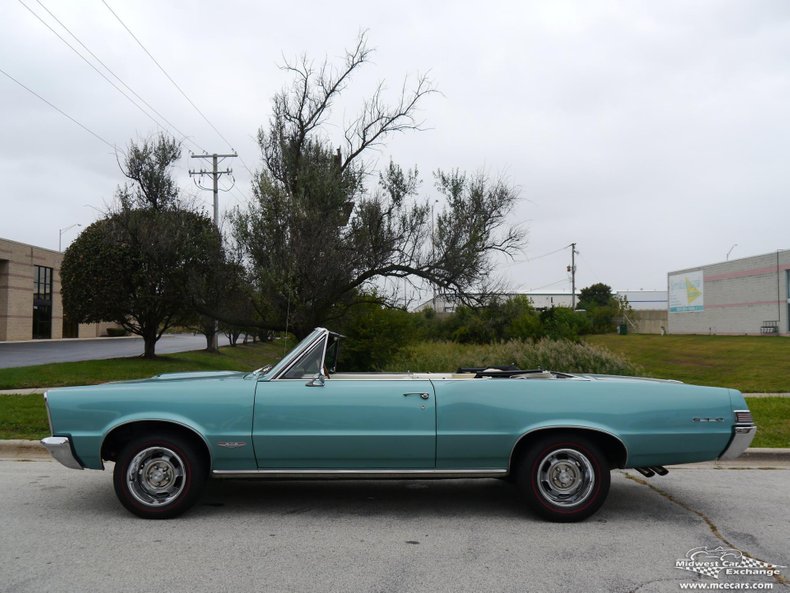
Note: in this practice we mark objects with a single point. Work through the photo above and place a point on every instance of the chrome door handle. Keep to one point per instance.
(422, 394)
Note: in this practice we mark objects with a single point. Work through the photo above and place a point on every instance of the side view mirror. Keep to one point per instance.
(318, 381)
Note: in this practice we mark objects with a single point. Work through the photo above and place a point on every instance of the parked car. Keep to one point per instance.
(556, 435)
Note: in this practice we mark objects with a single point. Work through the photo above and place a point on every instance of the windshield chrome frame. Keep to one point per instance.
(282, 367)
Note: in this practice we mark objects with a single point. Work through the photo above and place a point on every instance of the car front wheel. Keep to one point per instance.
(159, 476)
(564, 478)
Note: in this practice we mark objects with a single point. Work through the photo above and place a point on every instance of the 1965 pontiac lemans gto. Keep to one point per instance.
(556, 435)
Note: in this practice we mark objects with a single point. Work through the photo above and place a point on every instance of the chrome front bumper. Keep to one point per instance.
(60, 449)
(741, 439)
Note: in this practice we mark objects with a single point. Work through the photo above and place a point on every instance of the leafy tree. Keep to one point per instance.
(500, 319)
(375, 334)
(602, 307)
(220, 287)
(142, 265)
(317, 236)
(563, 323)
(598, 294)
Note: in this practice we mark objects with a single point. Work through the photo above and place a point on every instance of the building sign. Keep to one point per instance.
(686, 292)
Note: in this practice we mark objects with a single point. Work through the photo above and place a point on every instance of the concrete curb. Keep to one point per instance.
(22, 449)
(765, 454)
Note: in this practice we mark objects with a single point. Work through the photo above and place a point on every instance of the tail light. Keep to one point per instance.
(743, 417)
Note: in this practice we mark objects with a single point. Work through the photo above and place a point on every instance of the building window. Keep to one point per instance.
(42, 303)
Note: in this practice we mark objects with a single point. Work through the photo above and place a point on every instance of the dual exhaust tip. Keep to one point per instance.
(649, 472)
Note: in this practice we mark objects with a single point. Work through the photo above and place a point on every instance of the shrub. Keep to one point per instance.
(563, 323)
(556, 355)
(375, 334)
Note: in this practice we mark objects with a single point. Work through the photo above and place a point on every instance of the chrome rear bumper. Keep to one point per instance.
(741, 439)
(60, 449)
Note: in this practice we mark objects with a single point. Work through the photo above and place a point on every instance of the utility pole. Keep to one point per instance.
(215, 175)
(572, 270)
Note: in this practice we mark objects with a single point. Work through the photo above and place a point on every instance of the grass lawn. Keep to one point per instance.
(772, 415)
(23, 417)
(239, 358)
(753, 364)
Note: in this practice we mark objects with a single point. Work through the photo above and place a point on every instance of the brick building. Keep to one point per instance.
(30, 303)
(742, 296)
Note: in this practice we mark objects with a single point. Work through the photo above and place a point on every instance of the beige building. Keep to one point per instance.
(30, 302)
(750, 296)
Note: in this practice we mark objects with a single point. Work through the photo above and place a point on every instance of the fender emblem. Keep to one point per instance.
(707, 419)
(232, 444)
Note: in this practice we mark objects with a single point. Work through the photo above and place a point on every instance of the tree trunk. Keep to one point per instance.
(150, 345)
(210, 341)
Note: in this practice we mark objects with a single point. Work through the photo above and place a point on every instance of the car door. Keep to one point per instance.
(345, 424)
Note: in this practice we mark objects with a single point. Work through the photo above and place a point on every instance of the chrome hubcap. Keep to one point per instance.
(565, 477)
(156, 476)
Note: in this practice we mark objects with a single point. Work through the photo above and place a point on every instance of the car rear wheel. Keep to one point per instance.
(564, 477)
(159, 476)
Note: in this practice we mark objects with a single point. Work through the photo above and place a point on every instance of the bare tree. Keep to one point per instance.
(317, 237)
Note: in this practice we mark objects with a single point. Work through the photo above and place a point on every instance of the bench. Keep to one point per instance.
(769, 327)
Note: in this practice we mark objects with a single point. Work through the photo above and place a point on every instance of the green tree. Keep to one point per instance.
(563, 323)
(143, 265)
(602, 307)
(318, 236)
(598, 294)
(500, 319)
(375, 334)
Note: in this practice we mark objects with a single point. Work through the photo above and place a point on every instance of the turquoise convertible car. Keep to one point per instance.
(556, 435)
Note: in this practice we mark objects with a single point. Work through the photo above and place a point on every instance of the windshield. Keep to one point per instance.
(295, 351)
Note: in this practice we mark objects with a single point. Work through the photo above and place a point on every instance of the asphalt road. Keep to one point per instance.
(19, 354)
(63, 530)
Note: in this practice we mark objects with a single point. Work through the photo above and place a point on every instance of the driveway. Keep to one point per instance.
(19, 354)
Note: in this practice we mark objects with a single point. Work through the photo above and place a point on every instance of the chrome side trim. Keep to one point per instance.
(359, 474)
(60, 449)
(742, 437)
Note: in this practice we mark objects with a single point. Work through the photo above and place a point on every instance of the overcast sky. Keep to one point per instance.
(654, 135)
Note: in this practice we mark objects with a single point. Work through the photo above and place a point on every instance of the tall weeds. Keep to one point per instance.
(556, 355)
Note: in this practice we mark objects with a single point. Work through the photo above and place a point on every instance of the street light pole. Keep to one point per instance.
(60, 235)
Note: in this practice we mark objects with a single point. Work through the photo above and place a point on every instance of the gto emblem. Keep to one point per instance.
(232, 444)
(707, 419)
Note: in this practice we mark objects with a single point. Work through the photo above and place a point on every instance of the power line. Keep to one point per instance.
(63, 113)
(118, 78)
(548, 254)
(180, 90)
(564, 280)
(99, 72)
(537, 257)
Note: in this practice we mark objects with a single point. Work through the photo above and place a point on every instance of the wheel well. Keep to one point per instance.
(119, 436)
(612, 447)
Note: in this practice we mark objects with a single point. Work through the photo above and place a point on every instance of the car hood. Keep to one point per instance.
(195, 376)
